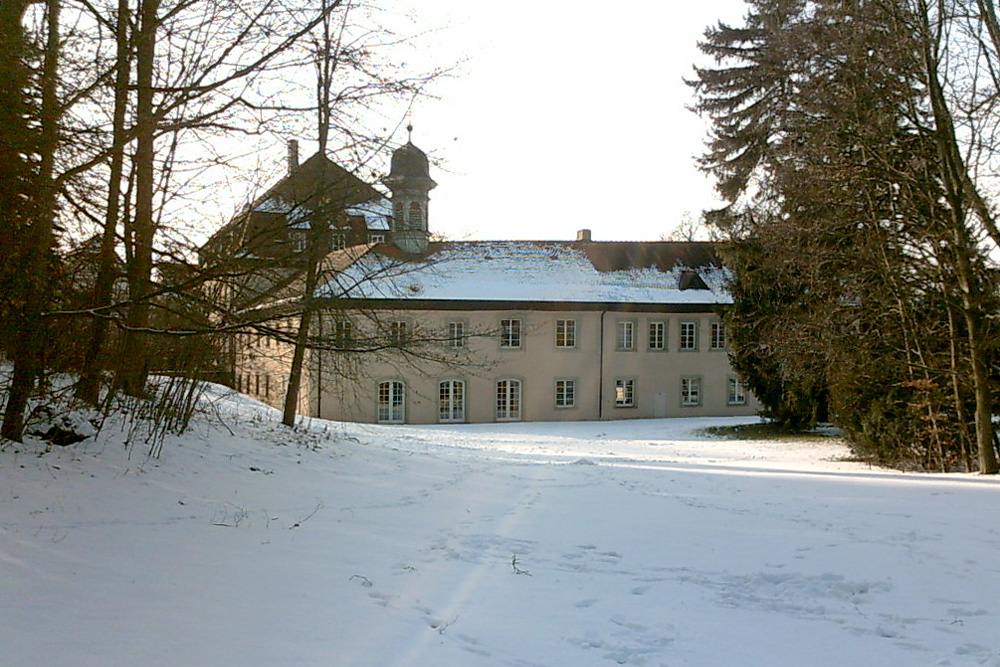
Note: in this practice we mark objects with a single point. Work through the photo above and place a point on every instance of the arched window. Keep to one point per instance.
(391, 402)
(451, 401)
(398, 216)
(416, 216)
(509, 400)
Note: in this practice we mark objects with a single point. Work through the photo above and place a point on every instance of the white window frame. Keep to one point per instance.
(508, 399)
(338, 241)
(376, 238)
(717, 337)
(455, 333)
(565, 333)
(451, 401)
(391, 402)
(625, 392)
(343, 334)
(565, 393)
(511, 332)
(688, 336)
(625, 335)
(399, 333)
(657, 337)
(691, 391)
(736, 391)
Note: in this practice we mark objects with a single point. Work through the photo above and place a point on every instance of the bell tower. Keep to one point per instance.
(410, 182)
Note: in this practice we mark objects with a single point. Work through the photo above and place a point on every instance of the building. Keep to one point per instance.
(415, 331)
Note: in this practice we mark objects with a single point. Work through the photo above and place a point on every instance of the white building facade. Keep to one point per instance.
(426, 332)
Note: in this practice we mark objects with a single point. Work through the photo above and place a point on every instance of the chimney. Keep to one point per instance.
(583, 236)
(293, 155)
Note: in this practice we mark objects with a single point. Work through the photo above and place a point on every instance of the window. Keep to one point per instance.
(376, 238)
(736, 393)
(718, 337)
(565, 333)
(416, 217)
(657, 335)
(691, 391)
(343, 334)
(565, 393)
(508, 400)
(398, 216)
(456, 334)
(625, 393)
(626, 335)
(451, 401)
(398, 333)
(298, 240)
(338, 241)
(689, 335)
(510, 333)
(391, 401)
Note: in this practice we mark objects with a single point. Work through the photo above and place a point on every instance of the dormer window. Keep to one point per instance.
(690, 279)
(298, 240)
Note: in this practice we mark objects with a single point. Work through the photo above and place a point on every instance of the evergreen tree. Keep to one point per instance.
(846, 264)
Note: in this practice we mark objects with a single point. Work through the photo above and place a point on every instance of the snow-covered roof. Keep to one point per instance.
(376, 213)
(298, 216)
(522, 271)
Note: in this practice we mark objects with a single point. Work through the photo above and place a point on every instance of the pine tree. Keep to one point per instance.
(846, 264)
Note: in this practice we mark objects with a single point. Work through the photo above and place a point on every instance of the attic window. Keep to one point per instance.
(298, 240)
(690, 279)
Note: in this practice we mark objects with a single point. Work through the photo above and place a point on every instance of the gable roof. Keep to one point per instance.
(317, 182)
(655, 273)
(317, 186)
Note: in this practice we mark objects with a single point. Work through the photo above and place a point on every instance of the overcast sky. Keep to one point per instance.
(563, 115)
(567, 115)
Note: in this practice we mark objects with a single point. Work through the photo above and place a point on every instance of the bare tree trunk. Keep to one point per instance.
(302, 337)
(327, 56)
(88, 389)
(963, 430)
(295, 374)
(134, 358)
(955, 180)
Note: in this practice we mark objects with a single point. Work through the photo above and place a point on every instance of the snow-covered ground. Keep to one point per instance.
(636, 543)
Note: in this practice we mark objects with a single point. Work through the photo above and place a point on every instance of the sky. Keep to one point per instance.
(564, 119)
(559, 119)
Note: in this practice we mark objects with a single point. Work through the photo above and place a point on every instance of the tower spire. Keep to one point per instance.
(410, 182)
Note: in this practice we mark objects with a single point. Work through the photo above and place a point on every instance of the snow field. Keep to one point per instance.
(636, 543)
